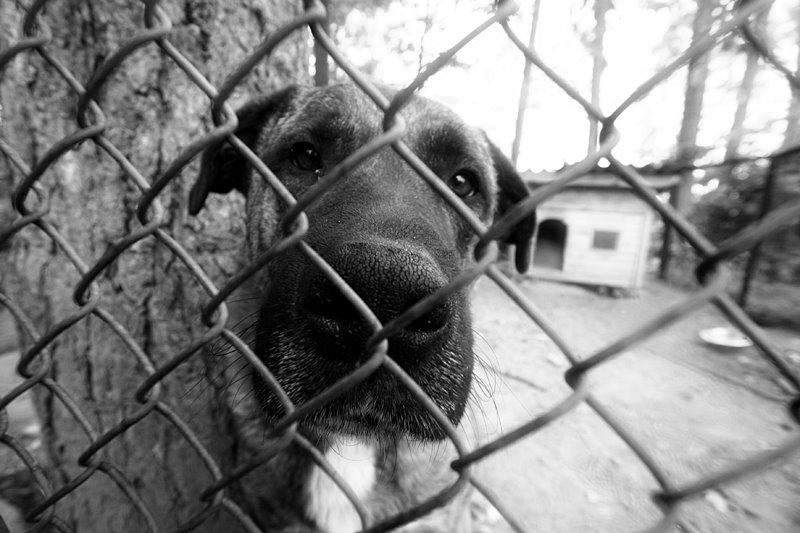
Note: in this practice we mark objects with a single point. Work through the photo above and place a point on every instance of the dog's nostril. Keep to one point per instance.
(327, 301)
(433, 320)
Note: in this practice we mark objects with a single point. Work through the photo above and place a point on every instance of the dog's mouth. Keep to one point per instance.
(313, 337)
(380, 407)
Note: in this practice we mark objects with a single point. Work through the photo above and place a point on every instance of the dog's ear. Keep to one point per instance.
(222, 167)
(510, 190)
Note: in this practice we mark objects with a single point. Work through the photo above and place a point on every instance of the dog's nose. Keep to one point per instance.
(389, 280)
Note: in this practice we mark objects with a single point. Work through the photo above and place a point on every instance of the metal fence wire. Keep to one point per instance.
(36, 362)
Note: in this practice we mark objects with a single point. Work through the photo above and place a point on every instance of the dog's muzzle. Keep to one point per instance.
(390, 280)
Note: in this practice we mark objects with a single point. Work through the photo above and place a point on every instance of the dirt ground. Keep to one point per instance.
(695, 409)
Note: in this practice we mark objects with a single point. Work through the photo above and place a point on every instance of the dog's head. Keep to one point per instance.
(385, 232)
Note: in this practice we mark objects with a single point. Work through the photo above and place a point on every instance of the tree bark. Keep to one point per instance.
(686, 151)
(153, 112)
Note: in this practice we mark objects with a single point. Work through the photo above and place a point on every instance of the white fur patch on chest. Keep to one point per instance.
(354, 460)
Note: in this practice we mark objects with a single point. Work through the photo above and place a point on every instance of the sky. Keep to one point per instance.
(640, 38)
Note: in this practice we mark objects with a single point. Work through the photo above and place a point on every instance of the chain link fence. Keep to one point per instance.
(31, 205)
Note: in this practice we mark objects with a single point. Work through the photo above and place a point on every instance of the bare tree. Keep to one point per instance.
(525, 87)
(601, 7)
(686, 151)
(782, 180)
(791, 135)
(153, 112)
(321, 65)
(744, 93)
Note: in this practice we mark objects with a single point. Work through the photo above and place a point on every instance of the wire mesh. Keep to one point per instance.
(32, 207)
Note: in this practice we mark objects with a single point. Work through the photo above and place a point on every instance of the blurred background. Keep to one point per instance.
(604, 49)
(709, 126)
(718, 140)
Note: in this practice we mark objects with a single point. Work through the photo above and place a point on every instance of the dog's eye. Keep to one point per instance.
(305, 157)
(464, 183)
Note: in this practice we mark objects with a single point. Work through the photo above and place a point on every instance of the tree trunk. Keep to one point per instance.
(524, 88)
(783, 180)
(690, 125)
(791, 136)
(745, 92)
(153, 112)
(742, 100)
(322, 68)
(601, 7)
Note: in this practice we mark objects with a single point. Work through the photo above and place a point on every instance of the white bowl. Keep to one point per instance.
(725, 337)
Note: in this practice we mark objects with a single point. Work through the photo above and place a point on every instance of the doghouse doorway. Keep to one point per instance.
(551, 239)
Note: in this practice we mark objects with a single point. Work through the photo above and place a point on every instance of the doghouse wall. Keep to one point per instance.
(586, 213)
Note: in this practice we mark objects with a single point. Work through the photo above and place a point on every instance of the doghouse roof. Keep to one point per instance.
(600, 180)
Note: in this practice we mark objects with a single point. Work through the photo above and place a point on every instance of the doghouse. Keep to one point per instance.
(596, 231)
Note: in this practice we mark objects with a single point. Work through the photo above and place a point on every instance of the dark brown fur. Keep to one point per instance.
(394, 240)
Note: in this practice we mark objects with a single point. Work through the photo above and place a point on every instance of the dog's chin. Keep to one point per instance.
(381, 408)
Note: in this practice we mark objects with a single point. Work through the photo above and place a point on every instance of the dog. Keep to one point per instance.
(394, 241)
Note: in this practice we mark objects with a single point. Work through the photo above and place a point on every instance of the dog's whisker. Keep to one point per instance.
(243, 299)
(237, 400)
(204, 379)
